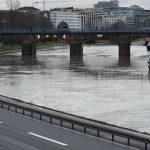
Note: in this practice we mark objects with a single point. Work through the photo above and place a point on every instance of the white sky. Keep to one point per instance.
(75, 3)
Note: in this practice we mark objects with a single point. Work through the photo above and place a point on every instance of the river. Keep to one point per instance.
(96, 87)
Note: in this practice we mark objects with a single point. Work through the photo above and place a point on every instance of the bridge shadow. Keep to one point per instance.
(76, 63)
(29, 60)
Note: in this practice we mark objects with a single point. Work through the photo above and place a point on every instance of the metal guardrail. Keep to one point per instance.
(114, 131)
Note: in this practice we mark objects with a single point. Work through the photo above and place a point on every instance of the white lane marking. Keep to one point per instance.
(48, 139)
(56, 126)
(1, 122)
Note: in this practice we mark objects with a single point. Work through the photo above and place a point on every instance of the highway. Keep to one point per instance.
(19, 132)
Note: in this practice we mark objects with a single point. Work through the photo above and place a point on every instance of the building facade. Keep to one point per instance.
(73, 19)
(78, 18)
(106, 5)
(111, 20)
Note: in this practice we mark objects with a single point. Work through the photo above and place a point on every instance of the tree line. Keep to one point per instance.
(15, 19)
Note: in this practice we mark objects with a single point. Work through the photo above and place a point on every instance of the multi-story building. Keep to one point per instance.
(73, 19)
(142, 18)
(91, 19)
(106, 5)
(77, 18)
(111, 20)
(95, 20)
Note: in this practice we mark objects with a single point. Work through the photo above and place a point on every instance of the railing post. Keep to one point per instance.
(112, 137)
(23, 112)
(145, 146)
(50, 119)
(16, 109)
(32, 114)
(61, 123)
(128, 142)
(98, 133)
(8, 107)
(40, 117)
(72, 126)
(84, 129)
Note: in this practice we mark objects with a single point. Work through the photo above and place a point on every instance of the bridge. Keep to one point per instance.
(123, 37)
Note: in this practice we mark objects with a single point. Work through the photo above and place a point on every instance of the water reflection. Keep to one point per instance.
(115, 71)
(148, 75)
(124, 62)
(76, 62)
(29, 60)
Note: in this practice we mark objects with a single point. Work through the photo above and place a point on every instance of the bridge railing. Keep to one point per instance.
(73, 121)
(65, 31)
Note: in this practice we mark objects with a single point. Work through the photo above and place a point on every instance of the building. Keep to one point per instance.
(90, 18)
(111, 20)
(67, 15)
(142, 18)
(29, 10)
(77, 18)
(106, 5)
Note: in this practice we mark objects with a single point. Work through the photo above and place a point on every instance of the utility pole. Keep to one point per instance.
(44, 5)
(4, 21)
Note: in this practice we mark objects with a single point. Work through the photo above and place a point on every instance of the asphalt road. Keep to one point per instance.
(18, 132)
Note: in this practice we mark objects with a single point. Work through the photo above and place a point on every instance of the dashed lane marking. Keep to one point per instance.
(48, 139)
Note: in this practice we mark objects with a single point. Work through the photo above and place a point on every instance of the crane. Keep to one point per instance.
(44, 2)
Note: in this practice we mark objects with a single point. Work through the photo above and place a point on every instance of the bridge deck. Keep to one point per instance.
(77, 31)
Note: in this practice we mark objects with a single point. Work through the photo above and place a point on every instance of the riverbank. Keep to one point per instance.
(17, 47)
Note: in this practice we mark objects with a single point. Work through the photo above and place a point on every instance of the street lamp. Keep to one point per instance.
(142, 21)
(4, 21)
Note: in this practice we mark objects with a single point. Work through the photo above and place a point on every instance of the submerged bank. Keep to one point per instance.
(17, 47)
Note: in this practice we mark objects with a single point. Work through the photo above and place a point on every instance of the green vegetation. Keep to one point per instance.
(17, 46)
(10, 47)
(47, 43)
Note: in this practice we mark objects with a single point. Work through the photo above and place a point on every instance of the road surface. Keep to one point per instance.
(19, 132)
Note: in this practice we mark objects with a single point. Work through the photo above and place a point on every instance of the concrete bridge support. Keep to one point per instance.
(76, 49)
(91, 38)
(29, 47)
(124, 43)
(124, 53)
(76, 46)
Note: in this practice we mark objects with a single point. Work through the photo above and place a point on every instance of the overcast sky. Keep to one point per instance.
(75, 3)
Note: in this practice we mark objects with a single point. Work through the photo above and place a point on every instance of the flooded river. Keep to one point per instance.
(96, 87)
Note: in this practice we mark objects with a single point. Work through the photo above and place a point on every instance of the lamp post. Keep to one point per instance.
(4, 21)
(142, 21)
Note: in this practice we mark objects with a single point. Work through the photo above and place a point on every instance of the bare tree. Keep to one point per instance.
(119, 24)
(13, 4)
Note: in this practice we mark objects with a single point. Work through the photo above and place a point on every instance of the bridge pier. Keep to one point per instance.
(28, 48)
(124, 53)
(124, 42)
(76, 49)
(76, 46)
(91, 39)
